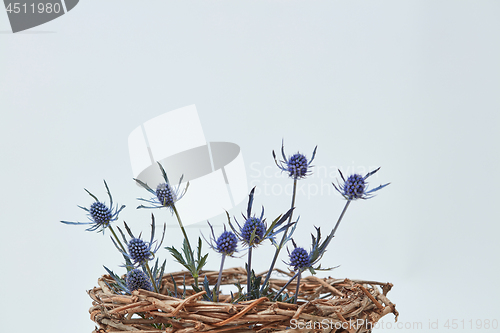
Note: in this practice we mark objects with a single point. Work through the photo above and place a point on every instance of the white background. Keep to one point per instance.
(411, 86)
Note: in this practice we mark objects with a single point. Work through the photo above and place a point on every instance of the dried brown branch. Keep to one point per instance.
(340, 301)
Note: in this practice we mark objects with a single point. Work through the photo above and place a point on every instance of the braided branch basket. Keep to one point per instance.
(324, 305)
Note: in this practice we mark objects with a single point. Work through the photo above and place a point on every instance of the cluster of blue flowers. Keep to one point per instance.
(253, 232)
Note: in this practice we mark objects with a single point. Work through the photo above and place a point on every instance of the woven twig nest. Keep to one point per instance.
(324, 305)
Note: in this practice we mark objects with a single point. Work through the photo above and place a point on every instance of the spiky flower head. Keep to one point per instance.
(253, 224)
(99, 214)
(137, 279)
(226, 243)
(297, 165)
(165, 194)
(356, 186)
(255, 229)
(299, 258)
(139, 251)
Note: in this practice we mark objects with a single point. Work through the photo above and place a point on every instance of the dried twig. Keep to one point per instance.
(339, 301)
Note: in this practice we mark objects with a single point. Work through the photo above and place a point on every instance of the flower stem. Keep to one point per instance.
(296, 296)
(340, 217)
(217, 286)
(249, 270)
(182, 228)
(286, 285)
(117, 239)
(151, 277)
(278, 249)
(193, 270)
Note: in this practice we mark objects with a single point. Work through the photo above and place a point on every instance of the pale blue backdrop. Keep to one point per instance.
(411, 86)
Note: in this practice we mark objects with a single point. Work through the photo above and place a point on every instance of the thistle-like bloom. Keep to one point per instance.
(165, 195)
(137, 279)
(225, 244)
(255, 230)
(297, 165)
(139, 251)
(99, 214)
(356, 186)
(299, 258)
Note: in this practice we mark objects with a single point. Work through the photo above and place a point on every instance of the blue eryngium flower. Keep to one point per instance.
(225, 244)
(255, 230)
(297, 165)
(137, 279)
(99, 214)
(356, 186)
(299, 258)
(139, 251)
(165, 195)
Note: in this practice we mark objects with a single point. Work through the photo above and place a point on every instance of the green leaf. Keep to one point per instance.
(178, 256)
(199, 248)
(202, 262)
(187, 253)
